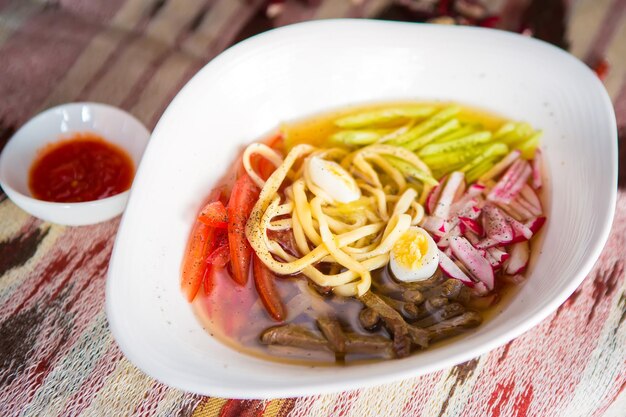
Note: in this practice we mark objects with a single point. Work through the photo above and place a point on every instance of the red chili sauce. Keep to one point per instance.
(84, 167)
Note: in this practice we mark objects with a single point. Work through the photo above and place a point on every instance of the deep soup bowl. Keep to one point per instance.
(304, 69)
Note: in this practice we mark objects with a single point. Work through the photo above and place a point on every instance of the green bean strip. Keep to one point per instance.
(457, 134)
(383, 116)
(522, 130)
(504, 130)
(492, 151)
(447, 127)
(453, 159)
(529, 146)
(468, 141)
(476, 172)
(409, 170)
(431, 123)
(356, 137)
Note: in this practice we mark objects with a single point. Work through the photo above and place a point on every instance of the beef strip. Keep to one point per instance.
(454, 289)
(295, 336)
(332, 331)
(419, 337)
(413, 296)
(369, 319)
(393, 321)
(300, 337)
(446, 312)
(407, 309)
(454, 326)
(378, 345)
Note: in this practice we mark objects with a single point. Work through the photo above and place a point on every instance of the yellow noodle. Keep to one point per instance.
(266, 152)
(392, 172)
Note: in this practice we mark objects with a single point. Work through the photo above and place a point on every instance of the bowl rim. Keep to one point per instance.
(38, 118)
(178, 379)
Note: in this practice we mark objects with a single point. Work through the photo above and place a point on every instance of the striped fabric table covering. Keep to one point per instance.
(57, 356)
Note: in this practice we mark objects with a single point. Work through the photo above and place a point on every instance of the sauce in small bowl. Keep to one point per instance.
(73, 164)
(83, 168)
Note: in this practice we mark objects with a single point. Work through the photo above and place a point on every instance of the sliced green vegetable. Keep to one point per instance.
(521, 131)
(431, 123)
(455, 145)
(459, 133)
(504, 130)
(447, 127)
(356, 137)
(529, 146)
(476, 172)
(383, 116)
(452, 160)
(409, 170)
(492, 151)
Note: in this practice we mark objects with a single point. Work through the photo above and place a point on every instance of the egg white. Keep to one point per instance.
(424, 269)
(333, 179)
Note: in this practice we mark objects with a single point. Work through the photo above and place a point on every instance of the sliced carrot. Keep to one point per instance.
(266, 288)
(220, 256)
(194, 261)
(202, 241)
(242, 200)
(214, 215)
(276, 141)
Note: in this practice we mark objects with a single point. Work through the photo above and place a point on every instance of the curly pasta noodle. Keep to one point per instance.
(352, 239)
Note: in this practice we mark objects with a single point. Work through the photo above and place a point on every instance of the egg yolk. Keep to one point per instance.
(410, 249)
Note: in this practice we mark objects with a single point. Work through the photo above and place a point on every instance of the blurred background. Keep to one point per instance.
(136, 54)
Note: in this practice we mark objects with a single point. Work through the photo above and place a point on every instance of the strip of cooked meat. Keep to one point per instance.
(295, 336)
(300, 337)
(407, 309)
(446, 312)
(357, 343)
(413, 296)
(394, 323)
(369, 319)
(454, 326)
(332, 331)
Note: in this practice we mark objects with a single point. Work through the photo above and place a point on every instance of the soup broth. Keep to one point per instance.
(321, 326)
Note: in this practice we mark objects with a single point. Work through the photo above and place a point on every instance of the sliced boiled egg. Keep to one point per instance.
(333, 180)
(414, 256)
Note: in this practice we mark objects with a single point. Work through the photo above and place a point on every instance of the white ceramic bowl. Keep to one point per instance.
(58, 123)
(307, 68)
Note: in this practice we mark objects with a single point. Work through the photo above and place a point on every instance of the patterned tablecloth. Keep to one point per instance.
(57, 356)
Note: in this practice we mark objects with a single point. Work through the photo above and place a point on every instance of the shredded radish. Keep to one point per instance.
(516, 211)
(536, 224)
(499, 255)
(531, 196)
(487, 243)
(471, 224)
(501, 166)
(473, 260)
(522, 202)
(435, 225)
(433, 197)
(475, 190)
(520, 231)
(496, 226)
(472, 237)
(466, 207)
(537, 174)
(516, 264)
(448, 193)
(452, 270)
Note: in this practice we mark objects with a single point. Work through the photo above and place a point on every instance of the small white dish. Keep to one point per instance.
(307, 68)
(56, 124)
